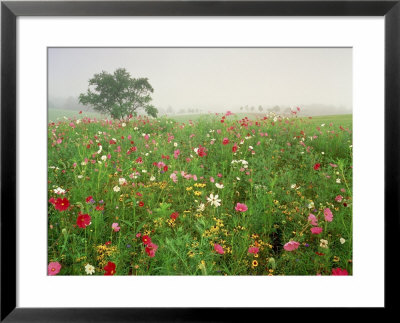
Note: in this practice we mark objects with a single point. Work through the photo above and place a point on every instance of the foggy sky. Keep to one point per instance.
(214, 78)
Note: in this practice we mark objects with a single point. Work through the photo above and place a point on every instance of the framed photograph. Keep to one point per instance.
(183, 155)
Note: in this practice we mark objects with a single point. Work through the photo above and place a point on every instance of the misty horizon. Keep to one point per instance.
(213, 79)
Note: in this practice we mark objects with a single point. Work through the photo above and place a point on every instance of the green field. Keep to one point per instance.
(139, 196)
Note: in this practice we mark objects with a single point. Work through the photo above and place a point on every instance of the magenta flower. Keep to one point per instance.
(339, 272)
(115, 227)
(339, 198)
(241, 207)
(253, 250)
(312, 218)
(328, 215)
(291, 245)
(316, 230)
(53, 268)
(218, 248)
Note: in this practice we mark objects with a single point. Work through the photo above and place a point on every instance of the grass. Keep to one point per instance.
(125, 180)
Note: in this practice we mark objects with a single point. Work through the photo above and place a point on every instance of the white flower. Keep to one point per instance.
(80, 176)
(123, 124)
(322, 153)
(103, 158)
(251, 147)
(338, 180)
(214, 200)
(59, 191)
(293, 186)
(324, 243)
(238, 178)
(89, 269)
(146, 154)
(323, 125)
(100, 149)
(175, 144)
(342, 240)
(220, 186)
(311, 205)
(116, 189)
(122, 181)
(136, 128)
(152, 178)
(201, 207)
(144, 171)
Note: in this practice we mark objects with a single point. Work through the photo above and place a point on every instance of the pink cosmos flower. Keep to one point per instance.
(339, 272)
(339, 198)
(316, 230)
(218, 248)
(212, 179)
(312, 218)
(174, 177)
(115, 227)
(333, 165)
(176, 153)
(151, 249)
(241, 207)
(253, 250)
(328, 215)
(291, 245)
(53, 268)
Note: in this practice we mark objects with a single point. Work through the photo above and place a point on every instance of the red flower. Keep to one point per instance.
(141, 204)
(83, 220)
(317, 166)
(146, 239)
(52, 201)
(110, 269)
(174, 215)
(234, 148)
(99, 208)
(108, 243)
(89, 199)
(165, 168)
(61, 204)
(225, 141)
(339, 272)
(151, 249)
(201, 152)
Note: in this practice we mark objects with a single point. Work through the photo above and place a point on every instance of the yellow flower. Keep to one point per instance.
(254, 263)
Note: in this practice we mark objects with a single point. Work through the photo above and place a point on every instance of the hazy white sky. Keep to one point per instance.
(214, 78)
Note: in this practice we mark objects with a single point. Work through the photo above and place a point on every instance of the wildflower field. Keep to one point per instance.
(219, 195)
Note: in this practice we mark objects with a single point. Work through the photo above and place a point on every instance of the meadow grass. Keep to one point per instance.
(140, 195)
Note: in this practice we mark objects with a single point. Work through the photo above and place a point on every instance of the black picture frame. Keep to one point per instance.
(11, 10)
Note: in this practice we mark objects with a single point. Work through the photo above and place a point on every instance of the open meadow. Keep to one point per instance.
(218, 194)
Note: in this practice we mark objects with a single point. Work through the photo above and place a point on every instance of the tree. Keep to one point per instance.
(118, 94)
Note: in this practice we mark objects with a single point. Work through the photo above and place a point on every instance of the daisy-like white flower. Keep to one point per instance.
(123, 124)
(324, 243)
(220, 186)
(89, 269)
(59, 191)
(103, 158)
(175, 144)
(338, 180)
(201, 207)
(214, 200)
(342, 240)
(100, 149)
(121, 181)
(152, 178)
(293, 186)
(116, 189)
